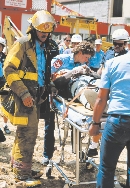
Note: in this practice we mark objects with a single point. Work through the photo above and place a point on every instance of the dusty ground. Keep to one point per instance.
(56, 180)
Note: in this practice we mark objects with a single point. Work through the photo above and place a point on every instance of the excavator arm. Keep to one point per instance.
(10, 32)
(78, 22)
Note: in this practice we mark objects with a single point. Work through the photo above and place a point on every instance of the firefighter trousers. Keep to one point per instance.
(23, 147)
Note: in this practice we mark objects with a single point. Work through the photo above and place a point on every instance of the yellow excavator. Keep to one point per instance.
(77, 23)
(87, 23)
(10, 32)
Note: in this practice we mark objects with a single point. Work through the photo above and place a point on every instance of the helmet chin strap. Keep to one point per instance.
(37, 37)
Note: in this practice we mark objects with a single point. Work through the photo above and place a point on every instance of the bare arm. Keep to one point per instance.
(98, 110)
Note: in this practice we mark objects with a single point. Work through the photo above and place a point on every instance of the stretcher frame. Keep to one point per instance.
(77, 147)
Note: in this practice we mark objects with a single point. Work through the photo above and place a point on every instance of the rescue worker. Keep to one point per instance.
(96, 60)
(2, 80)
(76, 39)
(27, 72)
(120, 38)
(65, 44)
(119, 42)
(66, 66)
(115, 86)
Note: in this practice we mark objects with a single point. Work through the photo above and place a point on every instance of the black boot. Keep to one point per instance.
(2, 137)
(92, 152)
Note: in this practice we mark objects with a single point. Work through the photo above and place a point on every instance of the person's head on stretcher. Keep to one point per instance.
(75, 63)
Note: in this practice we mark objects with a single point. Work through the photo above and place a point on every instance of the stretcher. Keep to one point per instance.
(78, 118)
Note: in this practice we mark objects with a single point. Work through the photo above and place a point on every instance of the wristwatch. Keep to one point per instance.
(94, 123)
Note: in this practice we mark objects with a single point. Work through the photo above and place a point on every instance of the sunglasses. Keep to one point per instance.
(119, 44)
(68, 40)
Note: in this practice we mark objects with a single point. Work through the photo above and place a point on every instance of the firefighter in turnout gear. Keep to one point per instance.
(27, 72)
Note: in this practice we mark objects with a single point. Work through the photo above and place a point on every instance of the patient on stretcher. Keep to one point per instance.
(83, 88)
(72, 77)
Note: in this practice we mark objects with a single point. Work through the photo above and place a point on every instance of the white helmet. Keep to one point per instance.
(98, 41)
(76, 38)
(2, 41)
(120, 34)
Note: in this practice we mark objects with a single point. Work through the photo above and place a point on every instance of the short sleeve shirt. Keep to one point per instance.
(116, 78)
(96, 60)
(68, 51)
(62, 48)
(63, 61)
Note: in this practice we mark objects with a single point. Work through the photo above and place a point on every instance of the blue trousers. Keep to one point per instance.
(115, 137)
(49, 139)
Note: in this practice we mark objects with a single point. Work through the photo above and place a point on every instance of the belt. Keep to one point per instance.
(120, 116)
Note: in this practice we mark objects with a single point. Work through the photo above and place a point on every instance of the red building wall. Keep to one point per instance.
(16, 14)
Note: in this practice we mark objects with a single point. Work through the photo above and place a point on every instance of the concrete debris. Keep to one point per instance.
(20, 184)
(3, 184)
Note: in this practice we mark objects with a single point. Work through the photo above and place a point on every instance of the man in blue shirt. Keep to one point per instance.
(115, 86)
(96, 60)
(117, 132)
(65, 44)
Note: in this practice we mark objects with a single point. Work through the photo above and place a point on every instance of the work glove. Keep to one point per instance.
(28, 101)
(80, 70)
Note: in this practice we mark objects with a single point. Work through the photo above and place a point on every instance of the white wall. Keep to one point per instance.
(24, 22)
(97, 9)
(126, 8)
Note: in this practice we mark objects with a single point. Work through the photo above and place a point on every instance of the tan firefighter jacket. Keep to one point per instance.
(20, 71)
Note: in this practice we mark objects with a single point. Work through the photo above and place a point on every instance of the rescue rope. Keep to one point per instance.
(76, 96)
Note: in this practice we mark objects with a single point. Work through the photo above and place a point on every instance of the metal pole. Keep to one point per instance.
(77, 156)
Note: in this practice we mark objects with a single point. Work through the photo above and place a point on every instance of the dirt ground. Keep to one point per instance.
(56, 179)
